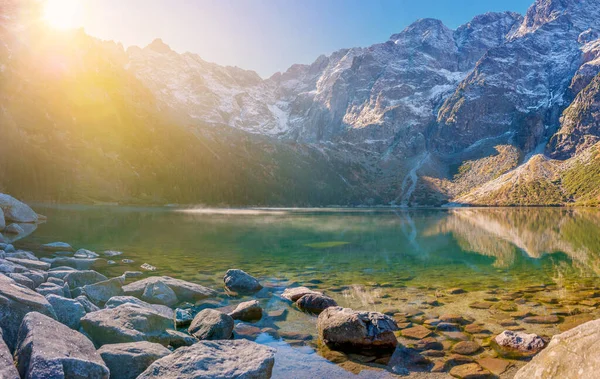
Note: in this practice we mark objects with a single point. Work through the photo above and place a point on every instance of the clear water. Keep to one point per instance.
(365, 259)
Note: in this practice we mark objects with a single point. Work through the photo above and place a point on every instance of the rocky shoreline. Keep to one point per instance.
(60, 318)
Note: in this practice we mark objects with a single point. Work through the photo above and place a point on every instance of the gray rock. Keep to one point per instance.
(572, 354)
(22, 280)
(148, 267)
(13, 229)
(185, 291)
(8, 267)
(293, 294)
(16, 211)
(82, 278)
(84, 253)
(211, 324)
(50, 289)
(76, 263)
(57, 281)
(128, 360)
(88, 306)
(7, 367)
(183, 317)
(348, 330)
(159, 293)
(68, 311)
(247, 311)
(31, 264)
(37, 277)
(48, 349)
(517, 344)
(57, 246)
(60, 272)
(241, 282)
(315, 303)
(22, 254)
(99, 293)
(115, 301)
(215, 360)
(127, 323)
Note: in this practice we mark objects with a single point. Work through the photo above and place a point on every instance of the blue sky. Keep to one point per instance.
(269, 35)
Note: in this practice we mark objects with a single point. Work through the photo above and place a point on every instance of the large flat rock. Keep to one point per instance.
(127, 323)
(215, 360)
(572, 354)
(48, 349)
(15, 302)
(185, 291)
(128, 360)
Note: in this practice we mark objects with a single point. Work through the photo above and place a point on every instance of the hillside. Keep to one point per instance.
(501, 111)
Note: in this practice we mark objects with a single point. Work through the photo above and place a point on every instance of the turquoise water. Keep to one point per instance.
(365, 259)
(469, 248)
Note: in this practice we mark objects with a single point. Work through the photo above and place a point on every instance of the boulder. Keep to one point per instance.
(58, 281)
(68, 311)
(315, 303)
(572, 354)
(88, 306)
(159, 293)
(517, 344)
(22, 280)
(247, 311)
(211, 324)
(82, 278)
(240, 282)
(76, 263)
(293, 294)
(128, 360)
(22, 254)
(16, 211)
(10, 267)
(215, 360)
(185, 291)
(50, 289)
(99, 293)
(31, 264)
(36, 276)
(115, 301)
(48, 349)
(348, 330)
(7, 367)
(57, 246)
(127, 323)
(183, 317)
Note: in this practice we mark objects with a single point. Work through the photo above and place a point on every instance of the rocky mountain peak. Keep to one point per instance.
(581, 14)
(159, 46)
(426, 33)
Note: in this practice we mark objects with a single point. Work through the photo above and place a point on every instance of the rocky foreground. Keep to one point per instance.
(59, 318)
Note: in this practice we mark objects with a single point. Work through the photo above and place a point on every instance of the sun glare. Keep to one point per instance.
(63, 14)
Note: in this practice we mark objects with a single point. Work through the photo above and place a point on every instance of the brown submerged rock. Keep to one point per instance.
(416, 332)
(470, 371)
(348, 330)
(315, 303)
(466, 348)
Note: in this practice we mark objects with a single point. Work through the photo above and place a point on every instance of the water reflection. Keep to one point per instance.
(505, 233)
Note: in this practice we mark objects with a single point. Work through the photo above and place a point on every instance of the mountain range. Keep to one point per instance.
(504, 110)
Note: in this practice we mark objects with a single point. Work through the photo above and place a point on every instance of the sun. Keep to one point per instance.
(63, 14)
